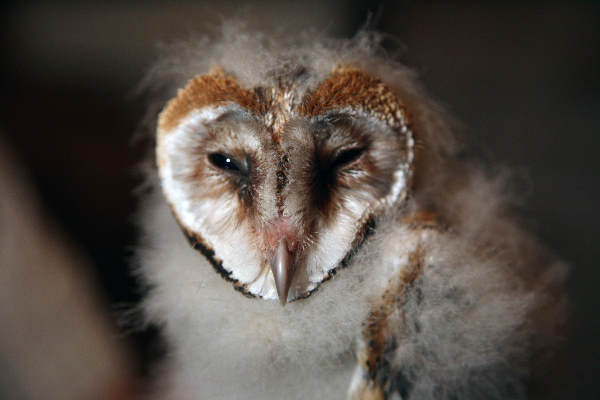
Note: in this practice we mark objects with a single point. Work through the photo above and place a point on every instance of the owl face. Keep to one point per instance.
(279, 185)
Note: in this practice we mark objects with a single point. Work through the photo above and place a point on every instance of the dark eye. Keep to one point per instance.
(346, 156)
(224, 162)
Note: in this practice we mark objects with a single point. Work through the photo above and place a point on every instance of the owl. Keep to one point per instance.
(312, 234)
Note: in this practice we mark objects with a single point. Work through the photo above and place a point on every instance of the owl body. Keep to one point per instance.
(335, 247)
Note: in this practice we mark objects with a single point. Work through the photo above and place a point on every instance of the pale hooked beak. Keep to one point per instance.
(283, 267)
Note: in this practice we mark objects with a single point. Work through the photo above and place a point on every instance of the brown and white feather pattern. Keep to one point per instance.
(289, 138)
(293, 165)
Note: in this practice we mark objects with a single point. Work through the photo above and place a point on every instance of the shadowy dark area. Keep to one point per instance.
(521, 77)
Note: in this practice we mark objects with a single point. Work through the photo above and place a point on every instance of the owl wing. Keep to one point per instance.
(438, 334)
(377, 376)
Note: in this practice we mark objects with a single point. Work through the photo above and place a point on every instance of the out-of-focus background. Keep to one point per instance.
(522, 77)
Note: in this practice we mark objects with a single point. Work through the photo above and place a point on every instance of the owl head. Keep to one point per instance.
(278, 182)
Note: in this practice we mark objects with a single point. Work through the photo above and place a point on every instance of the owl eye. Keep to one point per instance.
(346, 157)
(224, 162)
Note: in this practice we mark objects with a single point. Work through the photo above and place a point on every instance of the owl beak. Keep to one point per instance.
(283, 268)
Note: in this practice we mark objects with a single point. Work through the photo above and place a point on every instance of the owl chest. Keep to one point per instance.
(303, 351)
(225, 344)
(263, 361)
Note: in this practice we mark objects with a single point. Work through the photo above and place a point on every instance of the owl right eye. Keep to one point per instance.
(224, 162)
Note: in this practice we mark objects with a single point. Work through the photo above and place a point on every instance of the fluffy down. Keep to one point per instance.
(487, 302)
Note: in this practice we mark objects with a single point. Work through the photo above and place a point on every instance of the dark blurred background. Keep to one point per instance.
(522, 77)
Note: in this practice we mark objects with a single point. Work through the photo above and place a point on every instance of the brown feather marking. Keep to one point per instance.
(209, 90)
(351, 87)
(376, 332)
(377, 336)
(423, 220)
(372, 393)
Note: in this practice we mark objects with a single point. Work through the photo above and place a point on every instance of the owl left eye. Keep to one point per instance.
(224, 162)
(346, 157)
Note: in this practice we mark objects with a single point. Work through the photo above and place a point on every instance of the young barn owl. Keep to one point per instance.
(338, 248)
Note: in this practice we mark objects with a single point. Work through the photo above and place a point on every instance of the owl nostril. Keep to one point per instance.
(281, 228)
